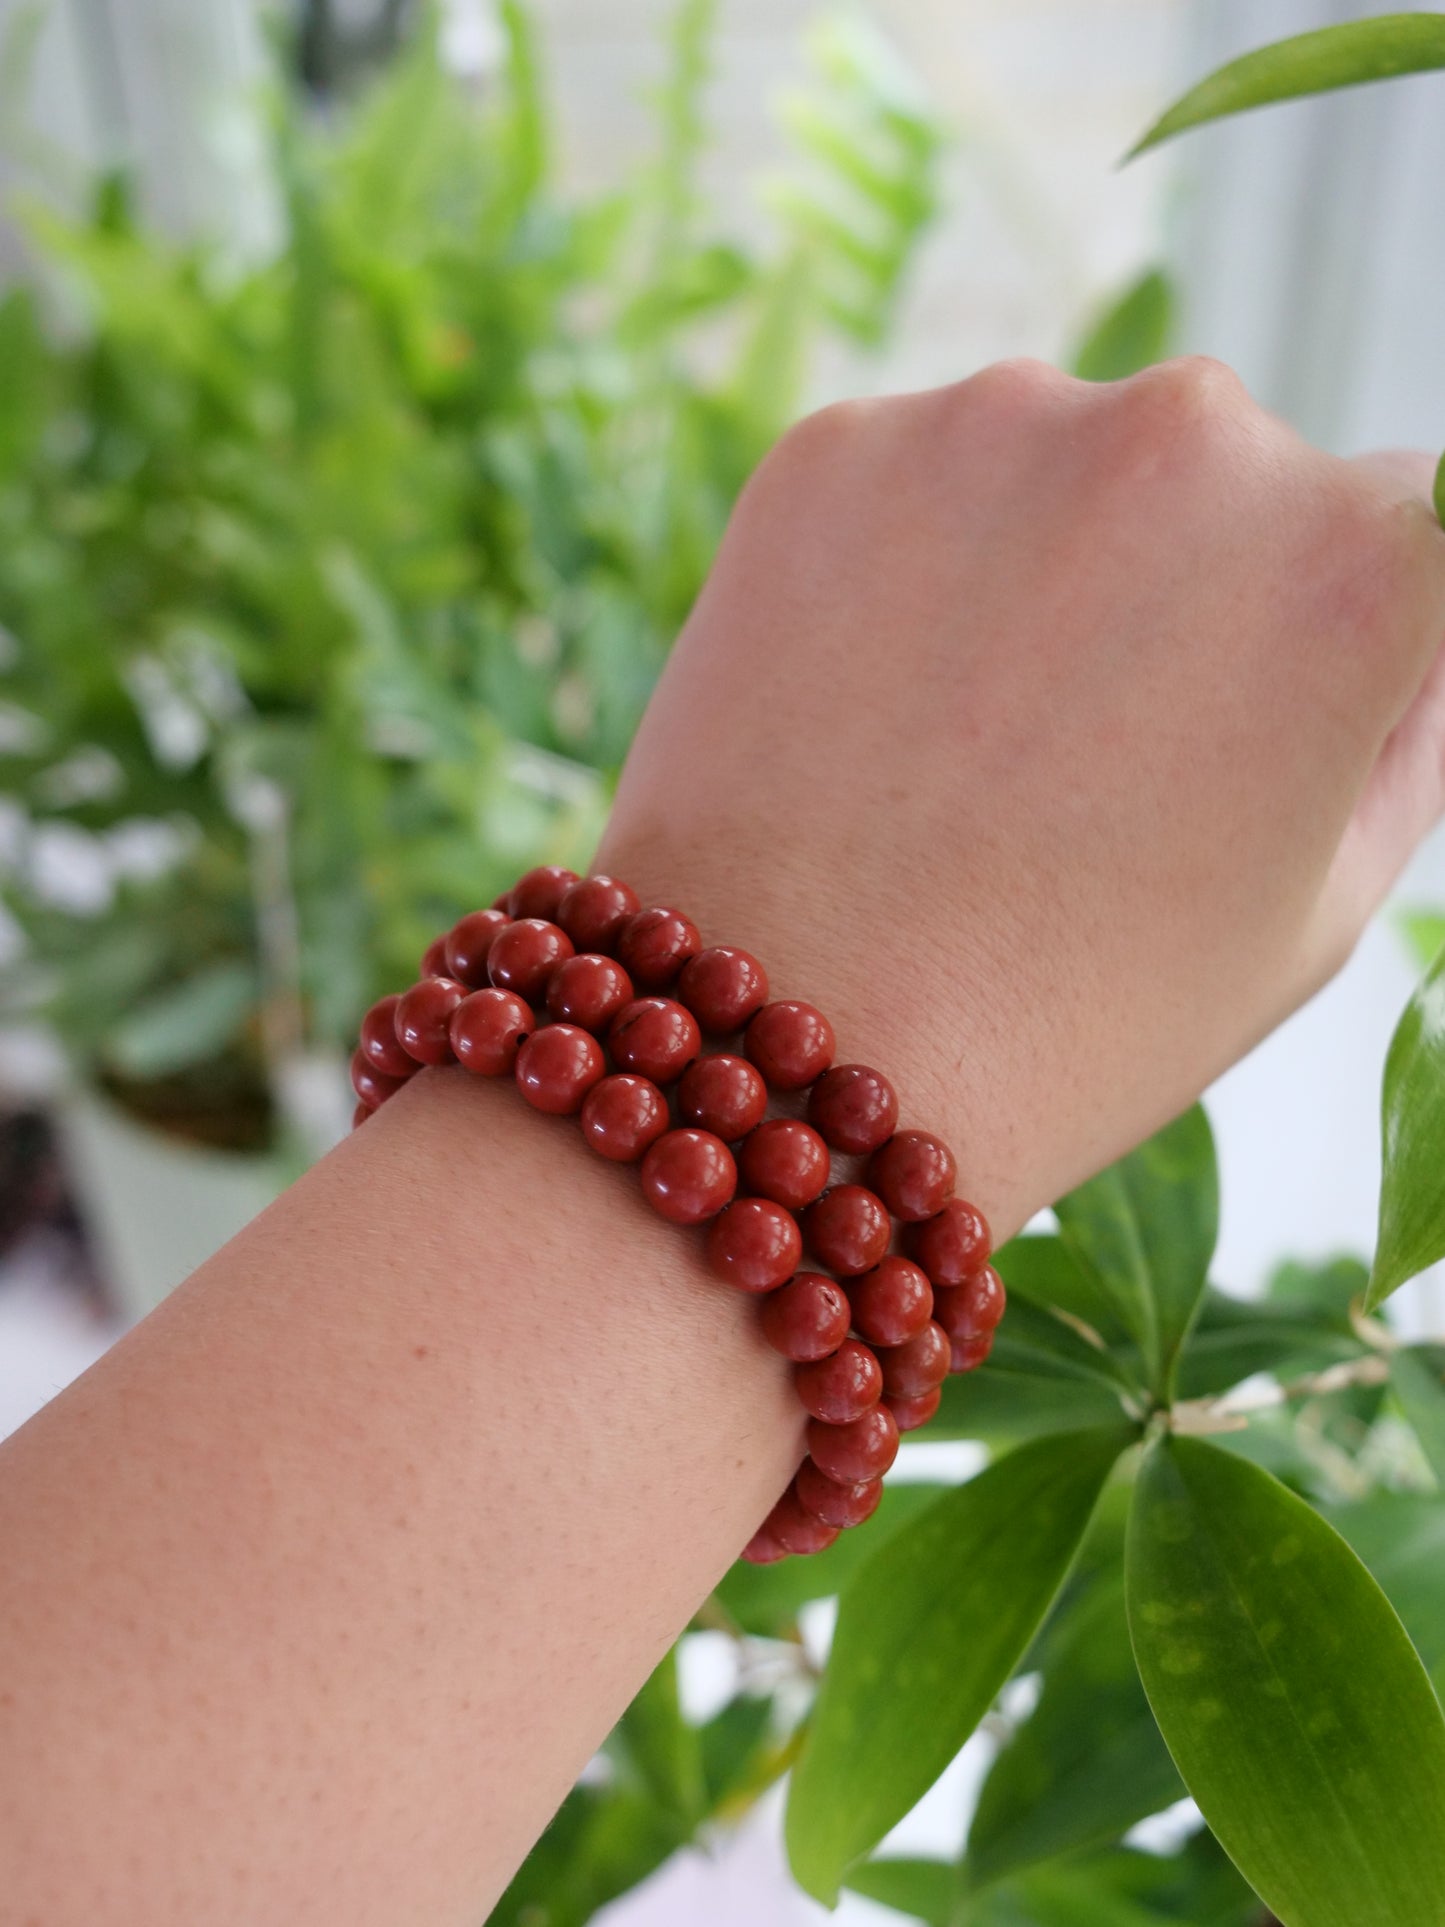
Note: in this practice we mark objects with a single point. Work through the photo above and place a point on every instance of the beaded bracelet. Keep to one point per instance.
(764, 1146)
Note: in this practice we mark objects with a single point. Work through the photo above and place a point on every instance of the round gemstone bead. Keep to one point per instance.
(422, 1016)
(723, 987)
(917, 1365)
(434, 959)
(967, 1354)
(622, 1116)
(795, 1529)
(914, 1174)
(806, 1319)
(856, 1109)
(524, 955)
(850, 1454)
(688, 1176)
(360, 1115)
(488, 1029)
(972, 1309)
(841, 1388)
(372, 1086)
(891, 1302)
(848, 1229)
(790, 1043)
(556, 1068)
(785, 1160)
(380, 1045)
(754, 1245)
(952, 1245)
(763, 1549)
(654, 1037)
(724, 1095)
(468, 944)
(588, 990)
(594, 909)
(653, 945)
(540, 892)
(910, 1413)
(836, 1505)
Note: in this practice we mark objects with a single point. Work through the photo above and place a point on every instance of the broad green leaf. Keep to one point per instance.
(926, 1890)
(928, 1631)
(1437, 492)
(603, 1842)
(1308, 63)
(1287, 1332)
(1045, 1270)
(731, 1742)
(1133, 332)
(1412, 1191)
(661, 1748)
(1425, 929)
(1419, 1384)
(1401, 1538)
(1000, 1405)
(179, 1028)
(1295, 1707)
(1033, 1337)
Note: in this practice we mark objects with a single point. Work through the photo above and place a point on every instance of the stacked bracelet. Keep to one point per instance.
(765, 1145)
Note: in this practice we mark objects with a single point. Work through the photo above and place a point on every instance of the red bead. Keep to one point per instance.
(891, 1302)
(422, 1016)
(796, 1529)
(841, 1388)
(972, 1309)
(791, 1044)
(754, 1245)
(917, 1365)
(763, 1549)
(434, 959)
(848, 1229)
(488, 1029)
(556, 1068)
(688, 1176)
(593, 910)
(967, 1354)
(785, 1160)
(540, 892)
(468, 944)
(914, 1174)
(910, 1413)
(379, 1044)
(835, 1505)
(723, 987)
(524, 955)
(849, 1454)
(622, 1116)
(808, 1318)
(588, 990)
(952, 1245)
(654, 1037)
(372, 1086)
(360, 1115)
(653, 945)
(724, 1095)
(856, 1109)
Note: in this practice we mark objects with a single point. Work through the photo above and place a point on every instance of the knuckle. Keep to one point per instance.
(1192, 395)
(1017, 388)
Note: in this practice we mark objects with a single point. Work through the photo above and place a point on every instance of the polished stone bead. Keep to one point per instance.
(594, 909)
(952, 1245)
(785, 1160)
(525, 954)
(911, 1413)
(380, 1045)
(688, 1176)
(917, 1365)
(556, 1068)
(855, 1108)
(540, 892)
(724, 1095)
(914, 1174)
(434, 959)
(806, 1319)
(723, 987)
(653, 945)
(588, 990)
(654, 1037)
(848, 1229)
(796, 1529)
(468, 944)
(842, 1387)
(836, 1505)
(488, 1029)
(967, 1354)
(622, 1116)
(372, 1086)
(972, 1309)
(790, 1043)
(763, 1549)
(849, 1454)
(422, 1017)
(891, 1302)
(754, 1245)
(360, 1115)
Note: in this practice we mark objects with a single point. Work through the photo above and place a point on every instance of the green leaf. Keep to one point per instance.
(928, 1632)
(1308, 63)
(925, 1889)
(1294, 1704)
(1401, 1538)
(1287, 1332)
(1424, 929)
(1419, 1384)
(1412, 1191)
(661, 1748)
(1133, 332)
(1002, 1406)
(185, 1026)
(1437, 492)
(1045, 1270)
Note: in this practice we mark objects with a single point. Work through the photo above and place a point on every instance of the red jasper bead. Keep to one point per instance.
(556, 1068)
(763, 1549)
(806, 1319)
(422, 1016)
(379, 1043)
(796, 1529)
(594, 909)
(910, 1413)
(914, 1174)
(360, 1115)
(468, 944)
(754, 1245)
(967, 1354)
(372, 1086)
(841, 1388)
(917, 1365)
(790, 1043)
(785, 1160)
(724, 1095)
(653, 945)
(835, 1505)
(856, 1109)
(654, 1037)
(623, 1116)
(972, 1309)
(488, 1029)
(588, 990)
(540, 892)
(688, 1176)
(434, 959)
(892, 1302)
(524, 955)
(951, 1246)
(850, 1454)
(848, 1229)
(723, 987)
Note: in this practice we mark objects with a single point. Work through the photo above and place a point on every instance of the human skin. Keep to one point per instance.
(1058, 741)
